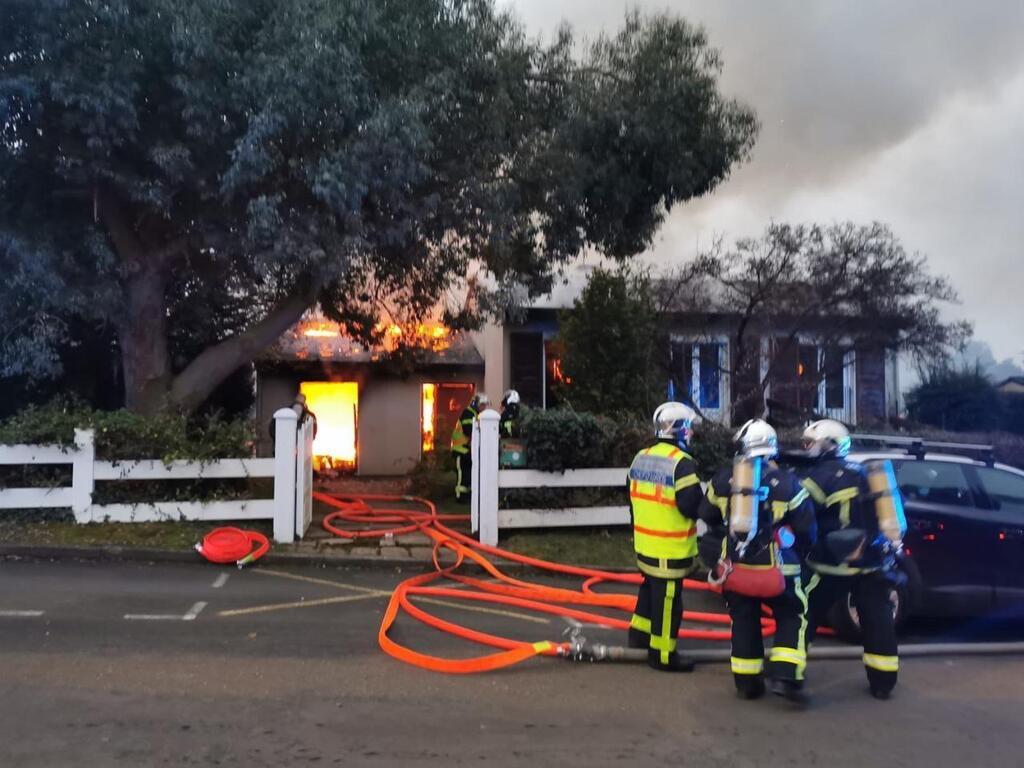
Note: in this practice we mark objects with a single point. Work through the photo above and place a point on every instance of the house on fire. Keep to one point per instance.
(378, 417)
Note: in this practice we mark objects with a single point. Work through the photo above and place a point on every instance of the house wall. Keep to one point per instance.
(389, 429)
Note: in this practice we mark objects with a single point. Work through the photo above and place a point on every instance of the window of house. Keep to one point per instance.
(696, 371)
(834, 364)
(554, 376)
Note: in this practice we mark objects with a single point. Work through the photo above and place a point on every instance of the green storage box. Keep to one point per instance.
(512, 454)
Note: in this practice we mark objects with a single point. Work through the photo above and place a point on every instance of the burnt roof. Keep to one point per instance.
(456, 348)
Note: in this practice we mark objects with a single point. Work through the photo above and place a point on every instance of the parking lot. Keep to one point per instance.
(135, 664)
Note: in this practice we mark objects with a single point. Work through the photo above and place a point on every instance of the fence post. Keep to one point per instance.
(83, 478)
(286, 422)
(485, 476)
(304, 477)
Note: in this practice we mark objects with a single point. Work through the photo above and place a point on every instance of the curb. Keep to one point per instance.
(146, 555)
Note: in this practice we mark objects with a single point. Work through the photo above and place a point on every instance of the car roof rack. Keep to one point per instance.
(919, 446)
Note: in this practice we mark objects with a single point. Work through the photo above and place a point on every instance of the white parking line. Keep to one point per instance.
(220, 581)
(192, 614)
(20, 614)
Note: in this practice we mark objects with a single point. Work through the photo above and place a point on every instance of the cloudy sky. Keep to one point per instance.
(911, 113)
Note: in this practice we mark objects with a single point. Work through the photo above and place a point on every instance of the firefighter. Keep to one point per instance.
(664, 495)
(760, 521)
(509, 422)
(462, 436)
(852, 557)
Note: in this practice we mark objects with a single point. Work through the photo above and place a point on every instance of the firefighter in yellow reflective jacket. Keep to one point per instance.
(853, 556)
(462, 436)
(664, 495)
(760, 522)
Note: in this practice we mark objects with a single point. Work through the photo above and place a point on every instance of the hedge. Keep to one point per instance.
(562, 439)
(121, 435)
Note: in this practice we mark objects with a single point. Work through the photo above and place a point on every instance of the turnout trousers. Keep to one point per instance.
(656, 619)
(869, 593)
(788, 657)
(463, 475)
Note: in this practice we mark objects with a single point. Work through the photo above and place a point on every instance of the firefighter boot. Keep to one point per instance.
(790, 690)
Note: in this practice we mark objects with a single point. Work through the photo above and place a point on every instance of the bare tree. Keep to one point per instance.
(835, 288)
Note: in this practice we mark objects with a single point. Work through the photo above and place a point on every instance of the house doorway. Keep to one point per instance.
(442, 405)
(336, 407)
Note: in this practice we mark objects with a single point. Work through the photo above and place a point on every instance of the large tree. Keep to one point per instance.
(162, 158)
(610, 342)
(837, 288)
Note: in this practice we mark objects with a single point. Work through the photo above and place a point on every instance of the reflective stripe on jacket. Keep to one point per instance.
(463, 430)
(660, 531)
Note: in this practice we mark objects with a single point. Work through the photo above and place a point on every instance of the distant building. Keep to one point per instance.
(1011, 386)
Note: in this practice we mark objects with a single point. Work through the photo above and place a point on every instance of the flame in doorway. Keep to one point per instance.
(335, 405)
(429, 416)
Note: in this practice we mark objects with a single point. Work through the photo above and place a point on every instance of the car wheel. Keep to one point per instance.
(845, 620)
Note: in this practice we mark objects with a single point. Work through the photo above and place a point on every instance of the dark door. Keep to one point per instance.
(526, 367)
(1003, 494)
(947, 536)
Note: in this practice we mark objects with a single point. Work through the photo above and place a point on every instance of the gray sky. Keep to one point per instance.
(911, 113)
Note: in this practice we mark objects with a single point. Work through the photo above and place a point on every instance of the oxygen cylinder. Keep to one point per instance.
(888, 503)
(744, 499)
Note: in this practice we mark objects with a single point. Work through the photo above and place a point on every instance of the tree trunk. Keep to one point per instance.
(204, 374)
(143, 339)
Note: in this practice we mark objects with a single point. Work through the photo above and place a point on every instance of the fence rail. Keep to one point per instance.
(488, 479)
(291, 468)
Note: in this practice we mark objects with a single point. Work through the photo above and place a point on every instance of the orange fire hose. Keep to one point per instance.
(504, 590)
(233, 545)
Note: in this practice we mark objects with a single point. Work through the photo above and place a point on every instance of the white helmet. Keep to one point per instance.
(511, 398)
(673, 421)
(826, 436)
(480, 400)
(757, 438)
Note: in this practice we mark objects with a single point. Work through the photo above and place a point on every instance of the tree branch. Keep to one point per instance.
(204, 374)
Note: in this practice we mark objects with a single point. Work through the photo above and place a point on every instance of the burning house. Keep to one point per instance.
(376, 414)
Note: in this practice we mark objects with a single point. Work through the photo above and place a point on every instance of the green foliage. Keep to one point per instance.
(957, 400)
(561, 439)
(123, 435)
(610, 339)
(223, 166)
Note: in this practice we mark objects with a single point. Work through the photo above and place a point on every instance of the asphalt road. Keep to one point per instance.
(283, 669)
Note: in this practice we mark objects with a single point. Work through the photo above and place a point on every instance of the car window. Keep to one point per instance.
(934, 482)
(1003, 487)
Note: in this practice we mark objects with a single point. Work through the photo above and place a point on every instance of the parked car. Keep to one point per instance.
(965, 540)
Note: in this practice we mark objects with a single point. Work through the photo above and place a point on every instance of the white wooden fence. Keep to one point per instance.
(291, 468)
(489, 478)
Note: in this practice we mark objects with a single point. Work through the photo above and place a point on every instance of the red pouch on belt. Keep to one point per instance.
(762, 581)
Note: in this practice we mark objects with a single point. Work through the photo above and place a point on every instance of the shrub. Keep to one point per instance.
(121, 435)
(125, 435)
(557, 440)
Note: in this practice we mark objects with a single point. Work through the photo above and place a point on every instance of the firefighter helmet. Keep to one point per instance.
(756, 438)
(511, 398)
(480, 401)
(673, 421)
(825, 437)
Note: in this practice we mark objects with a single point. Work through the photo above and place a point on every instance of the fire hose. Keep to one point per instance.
(509, 591)
(233, 545)
(501, 588)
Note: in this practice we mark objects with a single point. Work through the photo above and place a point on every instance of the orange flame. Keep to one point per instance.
(429, 411)
(336, 407)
